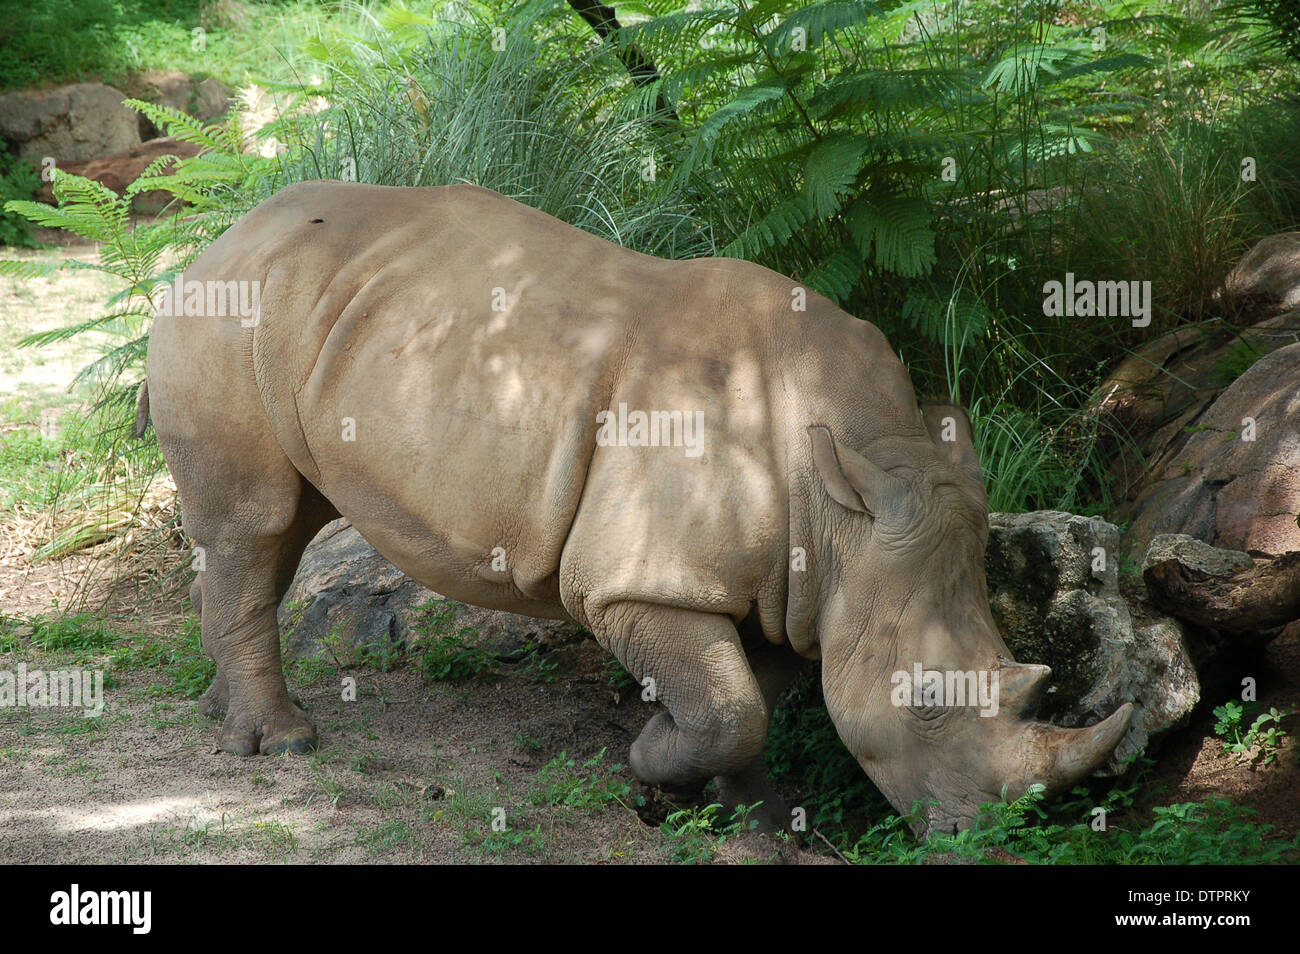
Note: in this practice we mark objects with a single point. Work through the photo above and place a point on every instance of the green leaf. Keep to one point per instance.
(830, 171)
(897, 229)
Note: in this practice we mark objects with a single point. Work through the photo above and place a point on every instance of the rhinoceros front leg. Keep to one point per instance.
(716, 719)
(775, 667)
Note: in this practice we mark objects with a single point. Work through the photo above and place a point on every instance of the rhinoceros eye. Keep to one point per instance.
(929, 713)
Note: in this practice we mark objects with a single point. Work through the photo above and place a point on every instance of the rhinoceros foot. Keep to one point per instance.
(286, 728)
(753, 789)
(214, 703)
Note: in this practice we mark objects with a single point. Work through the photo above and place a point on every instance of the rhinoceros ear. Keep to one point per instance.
(851, 480)
(949, 427)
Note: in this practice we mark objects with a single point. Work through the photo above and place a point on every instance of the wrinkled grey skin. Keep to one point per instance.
(471, 342)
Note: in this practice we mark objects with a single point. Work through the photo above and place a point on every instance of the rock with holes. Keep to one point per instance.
(1054, 591)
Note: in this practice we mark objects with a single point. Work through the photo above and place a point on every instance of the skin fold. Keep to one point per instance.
(430, 363)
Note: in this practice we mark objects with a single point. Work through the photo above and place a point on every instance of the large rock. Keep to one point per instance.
(345, 592)
(1225, 599)
(206, 100)
(1235, 481)
(1054, 592)
(1179, 399)
(1195, 555)
(173, 89)
(212, 100)
(1268, 277)
(69, 123)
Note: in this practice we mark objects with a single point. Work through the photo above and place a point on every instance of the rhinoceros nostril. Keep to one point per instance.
(315, 221)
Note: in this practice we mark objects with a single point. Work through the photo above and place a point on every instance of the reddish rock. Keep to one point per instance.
(1225, 488)
(118, 171)
(1179, 402)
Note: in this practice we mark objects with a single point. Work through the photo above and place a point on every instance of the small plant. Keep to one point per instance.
(388, 837)
(536, 667)
(442, 656)
(594, 785)
(619, 679)
(367, 763)
(1213, 831)
(19, 181)
(1261, 740)
(696, 833)
(527, 743)
(180, 657)
(529, 842)
(1236, 361)
(451, 659)
(79, 634)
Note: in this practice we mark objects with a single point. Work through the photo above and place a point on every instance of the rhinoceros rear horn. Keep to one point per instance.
(1021, 687)
(1061, 757)
(950, 428)
(851, 480)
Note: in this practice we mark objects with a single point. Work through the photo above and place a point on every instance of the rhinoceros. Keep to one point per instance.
(718, 472)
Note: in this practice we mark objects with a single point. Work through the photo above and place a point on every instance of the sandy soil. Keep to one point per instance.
(408, 772)
(34, 381)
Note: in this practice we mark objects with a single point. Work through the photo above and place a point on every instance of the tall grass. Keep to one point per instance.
(531, 119)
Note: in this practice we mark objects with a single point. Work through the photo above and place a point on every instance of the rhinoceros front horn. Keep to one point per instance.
(1060, 757)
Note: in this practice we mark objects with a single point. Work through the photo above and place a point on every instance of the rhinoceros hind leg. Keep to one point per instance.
(716, 720)
(252, 526)
(215, 702)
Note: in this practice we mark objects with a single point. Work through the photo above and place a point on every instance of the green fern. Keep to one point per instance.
(209, 191)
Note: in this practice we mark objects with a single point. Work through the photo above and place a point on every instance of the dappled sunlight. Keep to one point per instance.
(105, 817)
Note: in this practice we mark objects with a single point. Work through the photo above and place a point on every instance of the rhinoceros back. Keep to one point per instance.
(434, 361)
(434, 366)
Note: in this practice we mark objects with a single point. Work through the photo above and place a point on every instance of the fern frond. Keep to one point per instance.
(772, 231)
(897, 229)
(818, 21)
(98, 323)
(837, 275)
(179, 124)
(830, 171)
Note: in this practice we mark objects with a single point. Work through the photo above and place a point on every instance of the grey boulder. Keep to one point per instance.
(346, 595)
(68, 123)
(1054, 591)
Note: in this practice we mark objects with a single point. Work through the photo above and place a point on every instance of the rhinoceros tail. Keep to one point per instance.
(142, 410)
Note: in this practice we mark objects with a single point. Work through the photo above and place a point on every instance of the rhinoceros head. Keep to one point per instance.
(916, 677)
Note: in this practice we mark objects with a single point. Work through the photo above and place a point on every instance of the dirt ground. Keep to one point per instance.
(408, 772)
(34, 381)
